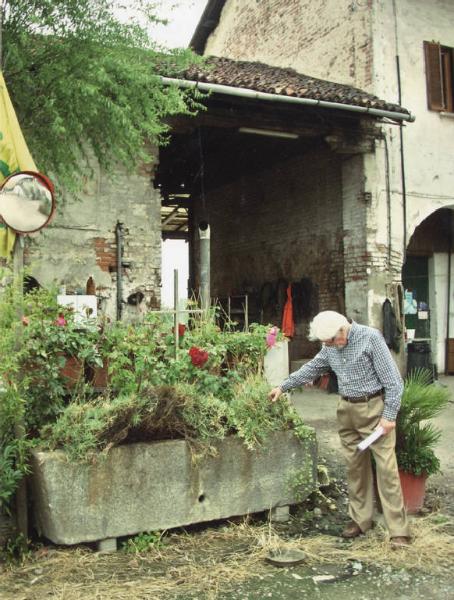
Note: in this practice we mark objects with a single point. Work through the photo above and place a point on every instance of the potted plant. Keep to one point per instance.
(416, 436)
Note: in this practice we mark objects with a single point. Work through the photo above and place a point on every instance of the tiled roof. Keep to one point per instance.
(285, 82)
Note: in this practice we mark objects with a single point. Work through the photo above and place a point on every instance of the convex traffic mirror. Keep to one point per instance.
(27, 201)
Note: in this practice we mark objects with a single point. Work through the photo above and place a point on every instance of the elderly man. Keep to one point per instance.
(370, 387)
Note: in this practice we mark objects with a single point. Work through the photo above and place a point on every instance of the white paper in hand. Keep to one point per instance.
(371, 438)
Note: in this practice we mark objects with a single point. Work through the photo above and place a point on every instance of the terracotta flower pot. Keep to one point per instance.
(100, 375)
(413, 491)
(72, 371)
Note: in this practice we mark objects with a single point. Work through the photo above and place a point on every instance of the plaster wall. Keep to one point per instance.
(429, 141)
(373, 254)
(438, 300)
(329, 39)
(81, 242)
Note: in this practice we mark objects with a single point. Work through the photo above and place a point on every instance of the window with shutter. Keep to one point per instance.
(439, 76)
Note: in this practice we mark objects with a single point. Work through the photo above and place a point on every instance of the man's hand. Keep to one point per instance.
(387, 425)
(274, 394)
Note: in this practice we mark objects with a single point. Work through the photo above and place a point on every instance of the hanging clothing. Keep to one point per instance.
(392, 330)
(288, 325)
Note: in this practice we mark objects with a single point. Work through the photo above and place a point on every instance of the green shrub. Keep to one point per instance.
(253, 416)
(143, 542)
(416, 437)
(209, 387)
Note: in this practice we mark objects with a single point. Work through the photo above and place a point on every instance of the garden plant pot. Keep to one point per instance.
(413, 491)
(72, 371)
(99, 377)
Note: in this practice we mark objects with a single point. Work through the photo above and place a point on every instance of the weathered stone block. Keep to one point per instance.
(154, 486)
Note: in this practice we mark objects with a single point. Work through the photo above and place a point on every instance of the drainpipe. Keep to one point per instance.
(205, 292)
(388, 197)
(119, 239)
(401, 134)
(247, 93)
(402, 163)
(449, 296)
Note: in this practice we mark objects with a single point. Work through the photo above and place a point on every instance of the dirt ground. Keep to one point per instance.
(228, 560)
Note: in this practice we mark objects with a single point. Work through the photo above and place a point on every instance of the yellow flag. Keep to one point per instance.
(14, 156)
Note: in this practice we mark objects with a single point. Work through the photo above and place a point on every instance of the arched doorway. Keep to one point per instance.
(428, 277)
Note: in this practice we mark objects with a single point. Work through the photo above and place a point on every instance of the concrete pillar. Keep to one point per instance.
(280, 514)
(106, 546)
(354, 215)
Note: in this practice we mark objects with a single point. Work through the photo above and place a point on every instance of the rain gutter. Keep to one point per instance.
(247, 93)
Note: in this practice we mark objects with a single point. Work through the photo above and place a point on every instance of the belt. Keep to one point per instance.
(364, 398)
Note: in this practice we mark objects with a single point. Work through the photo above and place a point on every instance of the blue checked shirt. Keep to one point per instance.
(363, 366)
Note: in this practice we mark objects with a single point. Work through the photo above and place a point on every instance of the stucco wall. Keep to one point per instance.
(429, 141)
(438, 298)
(81, 241)
(330, 39)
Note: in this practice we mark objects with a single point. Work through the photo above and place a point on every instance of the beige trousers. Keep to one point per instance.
(356, 421)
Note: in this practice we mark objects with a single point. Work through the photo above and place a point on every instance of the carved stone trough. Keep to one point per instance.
(155, 486)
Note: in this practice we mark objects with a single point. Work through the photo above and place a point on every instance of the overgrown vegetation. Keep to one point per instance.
(143, 542)
(211, 387)
(416, 436)
(84, 77)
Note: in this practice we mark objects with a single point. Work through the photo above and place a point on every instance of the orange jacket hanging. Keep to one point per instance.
(288, 325)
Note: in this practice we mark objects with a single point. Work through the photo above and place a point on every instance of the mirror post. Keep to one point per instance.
(205, 290)
(19, 426)
(177, 311)
(119, 240)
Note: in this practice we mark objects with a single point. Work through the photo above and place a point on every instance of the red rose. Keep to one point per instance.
(198, 357)
(181, 329)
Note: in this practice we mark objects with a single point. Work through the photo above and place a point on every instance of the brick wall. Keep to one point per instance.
(81, 241)
(285, 222)
(330, 39)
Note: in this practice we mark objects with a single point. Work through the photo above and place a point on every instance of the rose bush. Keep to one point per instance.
(198, 357)
(210, 386)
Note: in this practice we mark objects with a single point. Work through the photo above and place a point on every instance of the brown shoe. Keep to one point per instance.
(399, 542)
(352, 530)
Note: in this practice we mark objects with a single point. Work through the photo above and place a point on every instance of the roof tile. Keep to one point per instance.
(261, 77)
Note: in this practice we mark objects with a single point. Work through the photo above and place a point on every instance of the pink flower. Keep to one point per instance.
(61, 321)
(198, 357)
(271, 337)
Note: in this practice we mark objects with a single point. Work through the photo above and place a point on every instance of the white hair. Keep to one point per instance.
(326, 324)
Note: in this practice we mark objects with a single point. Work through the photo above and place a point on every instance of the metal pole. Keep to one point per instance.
(119, 239)
(19, 425)
(205, 294)
(176, 320)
